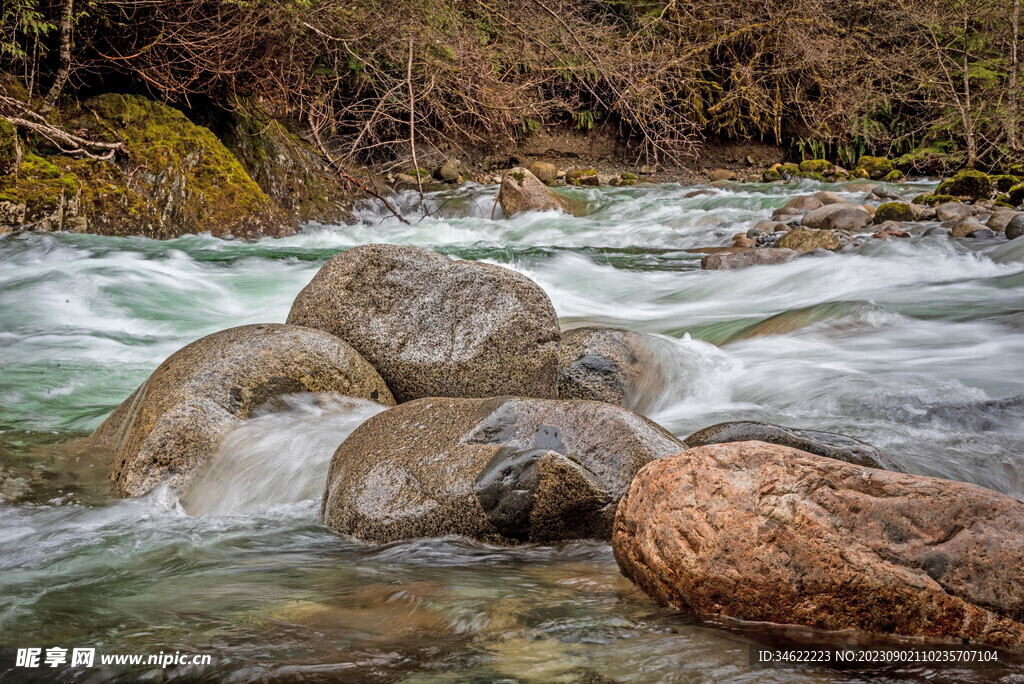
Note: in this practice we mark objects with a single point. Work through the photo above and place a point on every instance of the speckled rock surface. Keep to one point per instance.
(827, 444)
(522, 191)
(840, 216)
(747, 257)
(809, 240)
(434, 327)
(763, 532)
(501, 470)
(170, 425)
(613, 365)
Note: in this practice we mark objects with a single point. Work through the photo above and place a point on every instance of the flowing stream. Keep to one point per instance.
(897, 342)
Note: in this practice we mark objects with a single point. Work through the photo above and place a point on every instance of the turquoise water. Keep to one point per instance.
(866, 342)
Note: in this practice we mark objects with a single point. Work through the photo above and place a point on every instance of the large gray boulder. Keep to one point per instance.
(827, 444)
(435, 327)
(172, 423)
(522, 191)
(501, 470)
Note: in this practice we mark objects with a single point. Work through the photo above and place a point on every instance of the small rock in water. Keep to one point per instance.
(965, 227)
(544, 171)
(803, 240)
(953, 210)
(522, 191)
(846, 216)
(747, 257)
(1001, 219)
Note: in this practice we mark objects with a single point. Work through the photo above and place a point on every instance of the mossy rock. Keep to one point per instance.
(587, 176)
(10, 149)
(876, 167)
(812, 175)
(175, 178)
(789, 171)
(1004, 201)
(1016, 195)
(968, 184)
(933, 199)
(1004, 182)
(894, 211)
(818, 166)
(414, 171)
(289, 170)
(893, 176)
(50, 195)
(770, 176)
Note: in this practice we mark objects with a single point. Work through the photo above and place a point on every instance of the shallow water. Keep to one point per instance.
(897, 342)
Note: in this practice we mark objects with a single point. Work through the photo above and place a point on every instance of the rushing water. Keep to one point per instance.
(898, 342)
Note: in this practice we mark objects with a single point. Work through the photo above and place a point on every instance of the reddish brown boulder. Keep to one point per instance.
(764, 532)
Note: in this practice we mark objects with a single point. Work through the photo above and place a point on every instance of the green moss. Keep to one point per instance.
(876, 167)
(771, 175)
(967, 184)
(934, 199)
(893, 176)
(627, 176)
(812, 175)
(1004, 201)
(10, 148)
(894, 211)
(519, 176)
(789, 171)
(418, 171)
(1004, 182)
(818, 166)
(1016, 194)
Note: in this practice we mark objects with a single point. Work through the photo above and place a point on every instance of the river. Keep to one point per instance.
(867, 342)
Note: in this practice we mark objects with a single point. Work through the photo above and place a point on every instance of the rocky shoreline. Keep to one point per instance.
(245, 176)
(509, 430)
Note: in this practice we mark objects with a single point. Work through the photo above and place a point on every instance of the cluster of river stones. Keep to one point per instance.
(969, 205)
(505, 429)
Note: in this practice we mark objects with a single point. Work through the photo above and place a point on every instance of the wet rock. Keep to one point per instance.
(965, 227)
(544, 171)
(763, 532)
(981, 233)
(521, 191)
(1000, 219)
(803, 240)
(952, 210)
(436, 327)
(799, 204)
(845, 216)
(1015, 228)
(500, 470)
(936, 230)
(827, 197)
(612, 365)
(171, 424)
(883, 193)
(827, 444)
(747, 257)
(723, 175)
(742, 241)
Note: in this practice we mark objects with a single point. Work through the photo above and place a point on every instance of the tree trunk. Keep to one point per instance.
(1011, 124)
(972, 146)
(64, 70)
